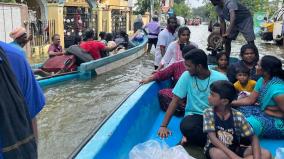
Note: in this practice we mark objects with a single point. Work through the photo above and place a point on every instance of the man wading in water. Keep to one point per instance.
(240, 20)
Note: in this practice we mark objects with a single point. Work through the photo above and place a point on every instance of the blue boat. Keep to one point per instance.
(93, 68)
(136, 120)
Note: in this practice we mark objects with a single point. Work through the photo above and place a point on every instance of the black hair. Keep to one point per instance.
(182, 29)
(243, 69)
(173, 18)
(102, 34)
(109, 37)
(54, 35)
(77, 40)
(220, 54)
(273, 66)
(250, 46)
(89, 34)
(197, 56)
(155, 18)
(225, 89)
(186, 48)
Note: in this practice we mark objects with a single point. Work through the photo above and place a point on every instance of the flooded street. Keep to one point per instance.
(75, 108)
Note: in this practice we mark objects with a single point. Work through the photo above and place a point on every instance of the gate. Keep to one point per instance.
(76, 21)
(118, 20)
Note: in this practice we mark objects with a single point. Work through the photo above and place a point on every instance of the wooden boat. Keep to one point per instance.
(136, 120)
(96, 67)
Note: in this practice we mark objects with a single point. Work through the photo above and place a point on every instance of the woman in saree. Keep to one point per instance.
(264, 108)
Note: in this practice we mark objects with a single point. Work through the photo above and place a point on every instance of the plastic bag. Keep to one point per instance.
(279, 153)
(153, 149)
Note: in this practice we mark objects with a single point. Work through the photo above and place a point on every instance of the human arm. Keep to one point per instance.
(163, 50)
(179, 92)
(168, 56)
(164, 132)
(148, 79)
(222, 25)
(52, 53)
(232, 23)
(251, 99)
(255, 147)
(218, 144)
(35, 130)
(162, 42)
(209, 128)
(161, 75)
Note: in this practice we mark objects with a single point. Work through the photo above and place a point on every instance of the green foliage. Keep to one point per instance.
(205, 12)
(268, 6)
(8, 1)
(179, 1)
(182, 10)
(144, 6)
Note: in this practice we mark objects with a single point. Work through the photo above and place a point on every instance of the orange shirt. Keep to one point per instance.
(249, 87)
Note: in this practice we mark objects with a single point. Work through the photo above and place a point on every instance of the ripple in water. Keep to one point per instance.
(74, 109)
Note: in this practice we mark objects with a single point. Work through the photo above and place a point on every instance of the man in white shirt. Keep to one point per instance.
(165, 37)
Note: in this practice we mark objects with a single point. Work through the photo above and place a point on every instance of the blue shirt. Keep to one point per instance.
(196, 91)
(30, 88)
(17, 46)
(28, 85)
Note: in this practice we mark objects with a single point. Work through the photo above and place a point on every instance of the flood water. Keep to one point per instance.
(75, 108)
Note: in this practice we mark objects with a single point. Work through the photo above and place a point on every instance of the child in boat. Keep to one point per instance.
(244, 84)
(222, 62)
(225, 126)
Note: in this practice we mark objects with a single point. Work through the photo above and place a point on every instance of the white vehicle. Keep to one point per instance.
(278, 26)
(180, 20)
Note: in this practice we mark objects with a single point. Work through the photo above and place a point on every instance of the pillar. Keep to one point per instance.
(99, 20)
(55, 12)
(109, 24)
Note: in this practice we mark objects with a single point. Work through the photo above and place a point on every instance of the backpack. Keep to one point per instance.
(63, 63)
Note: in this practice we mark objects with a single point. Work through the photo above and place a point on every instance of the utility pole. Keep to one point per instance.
(151, 8)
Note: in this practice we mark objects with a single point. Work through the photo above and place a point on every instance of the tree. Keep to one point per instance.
(179, 1)
(181, 9)
(144, 6)
(8, 1)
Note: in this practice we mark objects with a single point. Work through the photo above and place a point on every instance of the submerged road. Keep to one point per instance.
(75, 108)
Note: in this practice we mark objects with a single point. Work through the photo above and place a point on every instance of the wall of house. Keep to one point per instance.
(11, 16)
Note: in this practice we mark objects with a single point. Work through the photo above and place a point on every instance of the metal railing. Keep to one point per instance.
(41, 32)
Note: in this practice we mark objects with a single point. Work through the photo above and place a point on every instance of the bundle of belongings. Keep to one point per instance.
(60, 64)
(68, 62)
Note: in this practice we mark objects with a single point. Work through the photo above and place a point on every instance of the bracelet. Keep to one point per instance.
(163, 126)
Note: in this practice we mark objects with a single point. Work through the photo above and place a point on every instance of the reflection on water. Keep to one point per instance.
(74, 109)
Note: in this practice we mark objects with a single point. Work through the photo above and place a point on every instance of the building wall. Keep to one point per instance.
(11, 16)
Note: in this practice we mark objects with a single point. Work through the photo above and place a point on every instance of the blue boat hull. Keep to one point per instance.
(135, 121)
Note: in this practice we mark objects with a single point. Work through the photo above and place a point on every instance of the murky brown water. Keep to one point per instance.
(74, 109)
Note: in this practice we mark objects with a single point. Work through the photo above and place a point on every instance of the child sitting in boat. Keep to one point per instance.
(225, 126)
(244, 84)
(222, 62)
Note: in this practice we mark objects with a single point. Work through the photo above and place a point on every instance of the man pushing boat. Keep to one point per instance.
(240, 20)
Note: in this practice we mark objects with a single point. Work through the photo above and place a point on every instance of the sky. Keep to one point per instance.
(195, 3)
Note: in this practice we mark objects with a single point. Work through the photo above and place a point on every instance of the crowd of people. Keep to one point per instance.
(83, 50)
(226, 107)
